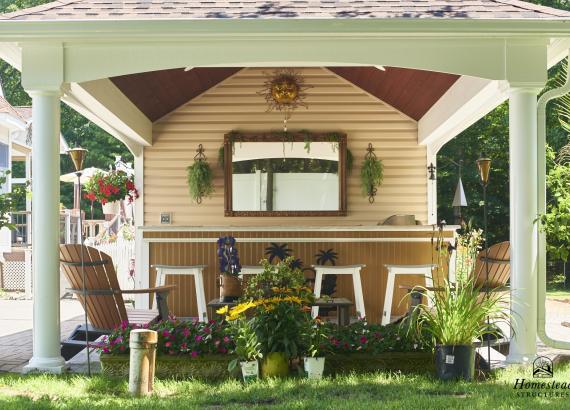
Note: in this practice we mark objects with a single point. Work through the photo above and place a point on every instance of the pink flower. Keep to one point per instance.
(198, 339)
(183, 346)
(185, 332)
(165, 333)
(222, 350)
(226, 339)
(106, 350)
(124, 324)
(168, 344)
(363, 340)
(207, 330)
(216, 342)
(194, 353)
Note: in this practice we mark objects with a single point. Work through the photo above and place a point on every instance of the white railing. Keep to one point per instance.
(121, 252)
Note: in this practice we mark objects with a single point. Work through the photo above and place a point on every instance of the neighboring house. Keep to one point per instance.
(16, 146)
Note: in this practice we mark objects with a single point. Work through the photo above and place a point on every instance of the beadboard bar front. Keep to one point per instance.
(373, 246)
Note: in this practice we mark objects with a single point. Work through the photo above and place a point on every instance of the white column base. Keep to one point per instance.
(518, 358)
(55, 365)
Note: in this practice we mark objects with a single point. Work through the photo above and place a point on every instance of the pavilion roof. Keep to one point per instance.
(286, 9)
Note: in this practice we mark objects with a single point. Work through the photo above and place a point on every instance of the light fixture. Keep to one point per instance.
(78, 155)
(431, 169)
(484, 167)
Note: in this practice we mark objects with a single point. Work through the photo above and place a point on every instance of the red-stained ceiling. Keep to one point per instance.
(410, 91)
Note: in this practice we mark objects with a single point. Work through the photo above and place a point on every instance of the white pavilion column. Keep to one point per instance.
(45, 238)
(523, 229)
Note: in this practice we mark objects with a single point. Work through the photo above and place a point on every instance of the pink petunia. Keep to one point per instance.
(194, 353)
(186, 332)
(363, 340)
(165, 333)
(198, 339)
(168, 344)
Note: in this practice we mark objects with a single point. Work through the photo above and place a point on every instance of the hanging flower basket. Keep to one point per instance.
(111, 188)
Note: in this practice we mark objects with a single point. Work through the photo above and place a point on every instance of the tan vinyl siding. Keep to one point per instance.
(333, 105)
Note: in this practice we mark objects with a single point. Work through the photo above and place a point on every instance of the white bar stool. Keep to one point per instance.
(251, 270)
(194, 270)
(393, 270)
(353, 270)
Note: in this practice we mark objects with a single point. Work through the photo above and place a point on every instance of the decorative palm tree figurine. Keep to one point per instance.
(279, 251)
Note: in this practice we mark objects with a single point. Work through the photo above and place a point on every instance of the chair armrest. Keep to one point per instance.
(158, 289)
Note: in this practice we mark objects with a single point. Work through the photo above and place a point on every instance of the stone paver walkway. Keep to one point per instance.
(16, 318)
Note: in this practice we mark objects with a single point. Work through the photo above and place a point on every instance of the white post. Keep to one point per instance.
(142, 266)
(523, 230)
(45, 239)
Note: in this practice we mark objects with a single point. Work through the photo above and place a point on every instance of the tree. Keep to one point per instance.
(75, 128)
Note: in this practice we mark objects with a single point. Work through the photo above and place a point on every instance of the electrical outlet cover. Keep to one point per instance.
(165, 218)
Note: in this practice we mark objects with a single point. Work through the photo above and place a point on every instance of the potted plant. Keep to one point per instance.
(109, 189)
(200, 180)
(230, 268)
(247, 349)
(317, 338)
(284, 274)
(459, 317)
(278, 315)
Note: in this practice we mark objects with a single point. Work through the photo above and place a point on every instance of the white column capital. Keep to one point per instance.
(525, 89)
(53, 92)
(42, 67)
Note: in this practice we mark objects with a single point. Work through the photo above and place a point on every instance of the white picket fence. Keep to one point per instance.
(121, 252)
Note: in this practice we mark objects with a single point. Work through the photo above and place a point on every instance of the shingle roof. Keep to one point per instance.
(7, 108)
(318, 9)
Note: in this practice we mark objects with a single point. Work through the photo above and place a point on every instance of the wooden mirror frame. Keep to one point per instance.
(233, 138)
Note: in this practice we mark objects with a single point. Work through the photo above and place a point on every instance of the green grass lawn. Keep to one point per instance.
(387, 391)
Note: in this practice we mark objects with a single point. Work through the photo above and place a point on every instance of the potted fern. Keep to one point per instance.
(200, 177)
(371, 174)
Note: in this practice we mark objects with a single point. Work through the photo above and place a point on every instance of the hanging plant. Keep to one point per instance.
(371, 174)
(200, 177)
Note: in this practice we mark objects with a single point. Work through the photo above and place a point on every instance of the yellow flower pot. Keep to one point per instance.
(275, 365)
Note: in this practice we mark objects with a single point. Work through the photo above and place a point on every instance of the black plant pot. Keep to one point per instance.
(455, 362)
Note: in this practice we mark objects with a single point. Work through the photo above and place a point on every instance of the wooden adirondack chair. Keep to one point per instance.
(499, 265)
(105, 305)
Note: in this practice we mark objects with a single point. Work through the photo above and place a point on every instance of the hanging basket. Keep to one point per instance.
(112, 208)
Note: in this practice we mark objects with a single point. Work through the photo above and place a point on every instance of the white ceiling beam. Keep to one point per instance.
(104, 104)
(463, 104)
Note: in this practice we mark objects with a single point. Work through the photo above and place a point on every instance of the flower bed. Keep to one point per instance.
(204, 350)
(207, 367)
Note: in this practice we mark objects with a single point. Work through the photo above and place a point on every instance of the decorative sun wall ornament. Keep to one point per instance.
(284, 90)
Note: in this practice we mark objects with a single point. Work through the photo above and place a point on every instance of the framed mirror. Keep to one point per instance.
(296, 175)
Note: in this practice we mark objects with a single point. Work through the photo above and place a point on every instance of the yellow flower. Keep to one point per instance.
(222, 310)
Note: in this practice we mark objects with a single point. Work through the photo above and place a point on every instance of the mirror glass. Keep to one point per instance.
(285, 176)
